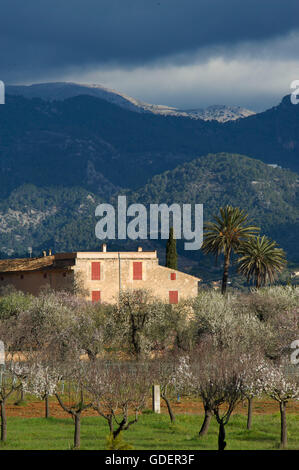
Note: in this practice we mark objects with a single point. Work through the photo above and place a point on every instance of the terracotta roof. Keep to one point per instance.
(25, 264)
(32, 264)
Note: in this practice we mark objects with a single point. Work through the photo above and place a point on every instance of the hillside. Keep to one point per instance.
(63, 218)
(220, 113)
(270, 195)
(43, 218)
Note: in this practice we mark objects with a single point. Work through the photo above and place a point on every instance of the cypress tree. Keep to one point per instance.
(171, 253)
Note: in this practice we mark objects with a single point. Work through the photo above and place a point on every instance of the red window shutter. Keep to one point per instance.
(137, 271)
(95, 271)
(96, 296)
(173, 296)
(173, 276)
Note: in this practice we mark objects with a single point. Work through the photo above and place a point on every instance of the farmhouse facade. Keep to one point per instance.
(99, 275)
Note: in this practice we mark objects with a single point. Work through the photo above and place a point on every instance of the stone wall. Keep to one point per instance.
(33, 281)
(116, 272)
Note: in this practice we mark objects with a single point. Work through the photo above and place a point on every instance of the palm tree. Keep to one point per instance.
(260, 260)
(225, 235)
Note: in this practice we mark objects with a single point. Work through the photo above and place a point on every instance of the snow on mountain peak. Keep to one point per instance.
(63, 90)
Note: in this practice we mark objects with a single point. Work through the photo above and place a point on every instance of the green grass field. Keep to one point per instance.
(152, 432)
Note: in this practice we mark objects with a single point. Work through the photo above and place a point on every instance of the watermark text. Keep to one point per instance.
(136, 222)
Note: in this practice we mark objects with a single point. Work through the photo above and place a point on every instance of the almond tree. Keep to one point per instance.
(72, 397)
(201, 385)
(98, 383)
(218, 379)
(282, 387)
(181, 374)
(227, 392)
(165, 377)
(10, 381)
(253, 383)
(42, 381)
(174, 376)
(118, 388)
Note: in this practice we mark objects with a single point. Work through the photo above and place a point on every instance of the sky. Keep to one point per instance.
(183, 53)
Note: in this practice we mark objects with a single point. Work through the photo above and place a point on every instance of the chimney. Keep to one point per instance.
(44, 253)
(50, 252)
(104, 247)
(139, 248)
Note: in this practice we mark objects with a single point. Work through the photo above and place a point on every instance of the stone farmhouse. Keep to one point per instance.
(101, 275)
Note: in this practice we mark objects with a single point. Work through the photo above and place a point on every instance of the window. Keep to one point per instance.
(173, 276)
(137, 271)
(22, 276)
(95, 271)
(96, 296)
(45, 275)
(173, 296)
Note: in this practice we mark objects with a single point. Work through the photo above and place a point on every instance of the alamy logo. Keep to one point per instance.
(295, 92)
(2, 93)
(295, 354)
(144, 224)
(2, 354)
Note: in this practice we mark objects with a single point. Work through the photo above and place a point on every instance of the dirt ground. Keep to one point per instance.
(35, 409)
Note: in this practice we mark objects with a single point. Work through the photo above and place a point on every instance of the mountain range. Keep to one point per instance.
(61, 154)
(63, 90)
(90, 142)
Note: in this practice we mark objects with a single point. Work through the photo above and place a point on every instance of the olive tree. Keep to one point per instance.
(133, 321)
(277, 310)
(60, 324)
(228, 325)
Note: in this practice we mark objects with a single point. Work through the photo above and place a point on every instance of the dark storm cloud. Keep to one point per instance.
(41, 38)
